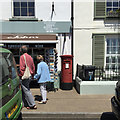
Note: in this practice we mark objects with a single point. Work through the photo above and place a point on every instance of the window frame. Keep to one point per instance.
(112, 55)
(114, 12)
(26, 16)
(105, 35)
(102, 10)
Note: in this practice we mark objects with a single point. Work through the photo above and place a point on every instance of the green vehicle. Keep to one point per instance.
(10, 91)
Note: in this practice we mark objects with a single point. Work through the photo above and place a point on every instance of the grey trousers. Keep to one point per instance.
(43, 91)
(28, 100)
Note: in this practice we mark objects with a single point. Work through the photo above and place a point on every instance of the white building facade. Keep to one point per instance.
(97, 33)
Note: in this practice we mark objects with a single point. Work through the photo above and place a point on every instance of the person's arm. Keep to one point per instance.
(22, 66)
(33, 66)
(38, 72)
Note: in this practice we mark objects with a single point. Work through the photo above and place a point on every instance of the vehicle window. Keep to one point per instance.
(12, 66)
(7, 67)
(4, 72)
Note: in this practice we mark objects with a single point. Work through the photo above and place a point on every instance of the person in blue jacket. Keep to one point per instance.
(43, 76)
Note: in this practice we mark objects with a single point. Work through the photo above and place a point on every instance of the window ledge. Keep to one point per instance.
(114, 18)
(23, 19)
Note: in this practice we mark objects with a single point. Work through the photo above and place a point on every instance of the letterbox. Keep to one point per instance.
(66, 72)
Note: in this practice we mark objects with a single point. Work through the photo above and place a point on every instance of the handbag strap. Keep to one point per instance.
(25, 61)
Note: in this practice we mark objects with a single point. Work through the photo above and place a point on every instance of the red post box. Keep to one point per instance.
(66, 72)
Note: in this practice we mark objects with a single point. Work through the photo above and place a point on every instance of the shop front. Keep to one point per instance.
(44, 45)
(50, 39)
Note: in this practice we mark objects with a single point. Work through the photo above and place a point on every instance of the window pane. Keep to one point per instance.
(31, 12)
(115, 4)
(30, 4)
(5, 67)
(107, 60)
(119, 67)
(109, 9)
(23, 4)
(113, 42)
(108, 50)
(114, 9)
(113, 60)
(23, 11)
(109, 4)
(119, 50)
(113, 67)
(108, 42)
(16, 4)
(16, 11)
(119, 3)
(118, 59)
(119, 42)
(113, 50)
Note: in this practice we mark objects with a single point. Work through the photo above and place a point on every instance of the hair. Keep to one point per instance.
(24, 49)
(40, 58)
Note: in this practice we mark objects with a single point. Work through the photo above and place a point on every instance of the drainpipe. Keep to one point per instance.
(72, 26)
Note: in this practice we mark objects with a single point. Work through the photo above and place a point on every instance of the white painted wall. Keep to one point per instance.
(84, 27)
(63, 47)
(6, 11)
(43, 10)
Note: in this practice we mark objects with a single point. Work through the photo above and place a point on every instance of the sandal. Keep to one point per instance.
(34, 107)
(28, 108)
(41, 102)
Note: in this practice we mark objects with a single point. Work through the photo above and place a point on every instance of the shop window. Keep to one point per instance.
(23, 8)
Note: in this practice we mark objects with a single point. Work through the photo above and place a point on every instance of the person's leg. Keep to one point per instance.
(43, 92)
(27, 93)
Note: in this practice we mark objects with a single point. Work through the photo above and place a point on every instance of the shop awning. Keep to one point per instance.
(32, 27)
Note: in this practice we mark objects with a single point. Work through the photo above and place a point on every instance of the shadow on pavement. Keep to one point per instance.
(38, 98)
(108, 116)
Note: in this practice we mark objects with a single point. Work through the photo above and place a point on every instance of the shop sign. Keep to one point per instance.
(29, 45)
(18, 46)
(27, 37)
(23, 37)
(50, 26)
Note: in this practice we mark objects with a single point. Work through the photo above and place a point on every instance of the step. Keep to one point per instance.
(60, 116)
(95, 87)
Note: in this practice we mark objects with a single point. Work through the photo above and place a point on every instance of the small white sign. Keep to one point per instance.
(67, 65)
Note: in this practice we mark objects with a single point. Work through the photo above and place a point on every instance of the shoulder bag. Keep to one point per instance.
(27, 71)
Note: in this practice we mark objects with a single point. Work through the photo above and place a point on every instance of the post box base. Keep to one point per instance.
(66, 86)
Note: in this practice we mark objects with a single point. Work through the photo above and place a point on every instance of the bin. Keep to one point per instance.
(66, 72)
(89, 72)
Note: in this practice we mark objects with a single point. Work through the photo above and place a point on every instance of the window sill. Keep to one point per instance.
(107, 17)
(23, 19)
(113, 18)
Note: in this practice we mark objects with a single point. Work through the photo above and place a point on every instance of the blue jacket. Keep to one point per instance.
(43, 74)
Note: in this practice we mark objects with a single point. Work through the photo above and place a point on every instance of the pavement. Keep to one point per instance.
(70, 102)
